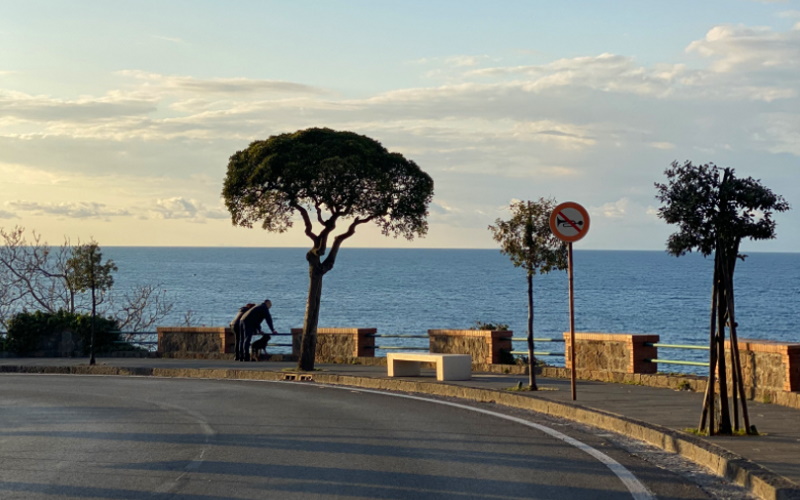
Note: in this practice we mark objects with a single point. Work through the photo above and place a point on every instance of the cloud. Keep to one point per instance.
(7, 215)
(234, 86)
(21, 106)
(188, 209)
(76, 210)
(750, 49)
(169, 39)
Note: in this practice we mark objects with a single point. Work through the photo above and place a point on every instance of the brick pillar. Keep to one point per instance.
(485, 346)
(334, 344)
(768, 364)
(612, 352)
(195, 340)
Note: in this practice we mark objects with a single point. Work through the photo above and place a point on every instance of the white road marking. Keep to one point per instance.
(638, 490)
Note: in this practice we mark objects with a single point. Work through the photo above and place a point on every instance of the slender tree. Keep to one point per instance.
(714, 211)
(530, 244)
(326, 178)
(34, 276)
(87, 272)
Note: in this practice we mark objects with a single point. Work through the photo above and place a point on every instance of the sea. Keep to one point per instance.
(409, 291)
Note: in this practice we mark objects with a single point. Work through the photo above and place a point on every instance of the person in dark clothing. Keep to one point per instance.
(237, 331)
(251, 325)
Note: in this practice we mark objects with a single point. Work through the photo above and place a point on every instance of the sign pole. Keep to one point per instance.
(569, 222)
(573, 371)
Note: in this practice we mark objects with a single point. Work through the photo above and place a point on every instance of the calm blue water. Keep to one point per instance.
(402, 291)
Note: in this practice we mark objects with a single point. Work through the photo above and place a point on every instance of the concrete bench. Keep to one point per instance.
(448, 366)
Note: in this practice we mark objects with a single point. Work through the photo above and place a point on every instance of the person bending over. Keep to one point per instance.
(251, 324)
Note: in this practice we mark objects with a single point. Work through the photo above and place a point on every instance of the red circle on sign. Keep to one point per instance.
(569, 222)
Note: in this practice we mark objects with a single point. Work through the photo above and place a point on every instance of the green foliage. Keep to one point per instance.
(327, 178)
(527, 239)
(321, 171)
(713, 207)
(480, 325)
(26, 331)
(86, 271)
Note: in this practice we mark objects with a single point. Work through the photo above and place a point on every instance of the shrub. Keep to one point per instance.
(27, 332)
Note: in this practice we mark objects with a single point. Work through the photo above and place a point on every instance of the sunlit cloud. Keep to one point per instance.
(77, 210)
(188, 209)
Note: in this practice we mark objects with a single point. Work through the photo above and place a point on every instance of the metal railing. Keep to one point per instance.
(538, 353)
(398, 347)
(658, 360)
(676, 361)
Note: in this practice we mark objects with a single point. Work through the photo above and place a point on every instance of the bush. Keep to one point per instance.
(29, 332)
(481, 325)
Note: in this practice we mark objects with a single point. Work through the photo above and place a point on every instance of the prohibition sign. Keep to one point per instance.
(569, 222)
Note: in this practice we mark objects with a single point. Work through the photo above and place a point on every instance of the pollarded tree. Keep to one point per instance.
(530, 244)
(326, 178)
(715, 211)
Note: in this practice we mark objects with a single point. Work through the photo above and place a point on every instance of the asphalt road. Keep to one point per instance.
(132, 438)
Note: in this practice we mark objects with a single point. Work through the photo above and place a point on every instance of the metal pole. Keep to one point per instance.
(573, 371)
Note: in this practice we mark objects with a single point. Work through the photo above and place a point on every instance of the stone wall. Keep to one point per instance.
(612, 352)
(339, 344)
(485, 346)
(768, 364)
(177, 340)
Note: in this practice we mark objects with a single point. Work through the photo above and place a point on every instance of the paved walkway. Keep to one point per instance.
(669, 412)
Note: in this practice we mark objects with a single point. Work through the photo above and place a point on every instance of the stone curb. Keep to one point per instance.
(759, 480)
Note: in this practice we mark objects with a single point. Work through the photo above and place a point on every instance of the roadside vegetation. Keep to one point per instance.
(46, 290)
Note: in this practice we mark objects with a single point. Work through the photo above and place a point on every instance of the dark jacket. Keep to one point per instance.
(235, 323)
(252, 319)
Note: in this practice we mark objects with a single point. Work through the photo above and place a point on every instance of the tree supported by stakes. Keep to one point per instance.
(714, 211)
(530, 244)
(328, 178)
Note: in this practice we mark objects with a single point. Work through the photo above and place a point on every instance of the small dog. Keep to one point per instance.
(258, 347)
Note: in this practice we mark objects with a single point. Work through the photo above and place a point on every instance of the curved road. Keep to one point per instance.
(132, 438)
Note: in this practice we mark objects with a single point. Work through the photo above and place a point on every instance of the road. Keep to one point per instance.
(131, 438)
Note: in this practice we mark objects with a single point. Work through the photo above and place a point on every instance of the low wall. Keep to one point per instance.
(613, 352)
(335, 345)
(194, 341)
(768, 364)
(485, 346)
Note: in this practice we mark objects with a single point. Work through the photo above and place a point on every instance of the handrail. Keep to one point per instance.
(676, 346)
(677, 362)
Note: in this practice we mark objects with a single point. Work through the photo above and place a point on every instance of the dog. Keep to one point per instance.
(258, 347)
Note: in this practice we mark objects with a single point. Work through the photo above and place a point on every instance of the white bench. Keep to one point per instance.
(448, 366)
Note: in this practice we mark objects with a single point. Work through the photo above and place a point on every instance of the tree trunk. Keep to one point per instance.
(711, 385)
(308, 343)
(531, 359)
(722, 372)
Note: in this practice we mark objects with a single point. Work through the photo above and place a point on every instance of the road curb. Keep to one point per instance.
(757, 479)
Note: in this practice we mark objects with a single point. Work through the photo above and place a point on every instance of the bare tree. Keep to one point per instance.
(36, 277)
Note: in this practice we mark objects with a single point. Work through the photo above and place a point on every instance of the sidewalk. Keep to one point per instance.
(659, 415)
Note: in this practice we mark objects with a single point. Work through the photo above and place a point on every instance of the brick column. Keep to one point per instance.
(485, 346)
(768, 364)
(612, 352)
(334, 344)
(194, 340)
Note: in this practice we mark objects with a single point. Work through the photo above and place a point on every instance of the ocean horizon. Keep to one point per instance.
(409, 291)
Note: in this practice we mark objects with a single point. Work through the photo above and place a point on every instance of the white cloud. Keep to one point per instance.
(750, 49)
(233, 86)
(188, 209)
(76, 210)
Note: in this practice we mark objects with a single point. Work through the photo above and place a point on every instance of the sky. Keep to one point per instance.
(118, 117)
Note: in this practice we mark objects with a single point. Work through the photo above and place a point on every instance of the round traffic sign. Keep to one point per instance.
(569, 222)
